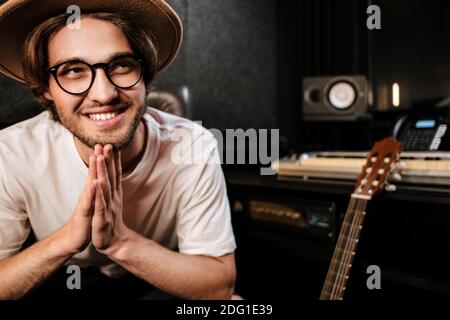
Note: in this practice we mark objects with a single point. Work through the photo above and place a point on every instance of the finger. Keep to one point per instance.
(86, 202)
(92, 174)
(109, 157)
(103, 179)
(118, 167)
(98, 150)
(100, 203)
(99, 220)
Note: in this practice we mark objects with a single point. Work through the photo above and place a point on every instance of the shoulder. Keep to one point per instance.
(187, 150)
(179, 132)
(168, 123)
(25, 138)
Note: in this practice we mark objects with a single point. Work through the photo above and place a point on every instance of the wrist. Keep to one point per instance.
(121, 249)
(59, 246)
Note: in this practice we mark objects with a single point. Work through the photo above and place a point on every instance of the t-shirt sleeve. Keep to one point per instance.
(204, 222)
(14, 224)
(14, 230)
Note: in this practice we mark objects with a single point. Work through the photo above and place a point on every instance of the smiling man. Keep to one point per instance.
(93, 176)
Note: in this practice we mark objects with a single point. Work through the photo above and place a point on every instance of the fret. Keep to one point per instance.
(336, 280)
(346, 224)
(326, 292)
(340, 276)
(345, 270)
(348, 250)
(349, 238)
(344, 252)
(330, 293)
(339, 260)
(346, 247)
(335, 274)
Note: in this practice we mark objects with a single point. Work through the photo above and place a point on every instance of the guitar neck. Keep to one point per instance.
(341, 262)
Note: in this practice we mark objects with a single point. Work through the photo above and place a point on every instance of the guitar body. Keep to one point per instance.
(379, 166)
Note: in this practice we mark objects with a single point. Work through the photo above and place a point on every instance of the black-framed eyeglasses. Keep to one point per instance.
(76, 77)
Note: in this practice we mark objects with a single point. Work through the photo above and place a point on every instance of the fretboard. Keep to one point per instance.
(341, 262)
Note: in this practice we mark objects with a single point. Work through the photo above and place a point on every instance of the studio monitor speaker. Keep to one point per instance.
(335, 98)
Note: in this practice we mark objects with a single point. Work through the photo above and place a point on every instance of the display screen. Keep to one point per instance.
(425, 124)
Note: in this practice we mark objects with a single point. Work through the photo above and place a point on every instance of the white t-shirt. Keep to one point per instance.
(180, 204)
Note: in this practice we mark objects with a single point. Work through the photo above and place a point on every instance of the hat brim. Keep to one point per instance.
(19, 17)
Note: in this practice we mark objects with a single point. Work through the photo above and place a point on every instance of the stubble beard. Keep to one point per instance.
(90, 141)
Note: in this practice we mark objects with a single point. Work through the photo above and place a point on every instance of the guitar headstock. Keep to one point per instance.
(380, 164)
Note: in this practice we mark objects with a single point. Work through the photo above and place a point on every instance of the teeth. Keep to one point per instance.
(103, 116)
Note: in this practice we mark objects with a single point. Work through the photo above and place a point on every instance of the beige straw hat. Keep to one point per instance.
(19, 17)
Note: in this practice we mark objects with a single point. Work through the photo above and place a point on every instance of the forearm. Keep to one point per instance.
(184, 276)
(24, 271)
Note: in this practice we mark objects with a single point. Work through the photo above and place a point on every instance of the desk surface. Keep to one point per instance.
(405, 192)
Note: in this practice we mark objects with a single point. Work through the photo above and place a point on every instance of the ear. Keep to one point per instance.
(48, 95)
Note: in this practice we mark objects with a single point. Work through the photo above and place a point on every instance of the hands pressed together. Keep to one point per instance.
(98, 215)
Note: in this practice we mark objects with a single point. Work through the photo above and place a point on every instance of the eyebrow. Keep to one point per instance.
(111, 57)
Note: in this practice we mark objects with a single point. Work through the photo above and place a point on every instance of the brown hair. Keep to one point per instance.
(35, 52)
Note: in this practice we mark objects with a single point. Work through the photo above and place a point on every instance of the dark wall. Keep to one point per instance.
(229, 62)
(413, 49)
(16, 103)
(175, 74)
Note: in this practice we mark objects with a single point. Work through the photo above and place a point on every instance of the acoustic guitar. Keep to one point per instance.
(380, 165)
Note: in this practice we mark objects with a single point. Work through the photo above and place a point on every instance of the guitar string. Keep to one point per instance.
(337, 257)
(342, 247)
(360, 223)
(330, 280)
(347, 251)
(352, 244)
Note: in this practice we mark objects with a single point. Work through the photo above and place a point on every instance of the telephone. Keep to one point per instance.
(423, 133)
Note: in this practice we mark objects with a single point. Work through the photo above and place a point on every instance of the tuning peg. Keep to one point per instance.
(391, 187)
(397, 176)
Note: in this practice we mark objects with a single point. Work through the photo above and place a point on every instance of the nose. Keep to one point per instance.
(102, 90)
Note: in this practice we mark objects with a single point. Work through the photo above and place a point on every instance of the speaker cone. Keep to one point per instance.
(342, 95)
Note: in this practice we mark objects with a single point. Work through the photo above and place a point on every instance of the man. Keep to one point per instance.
(140, 212)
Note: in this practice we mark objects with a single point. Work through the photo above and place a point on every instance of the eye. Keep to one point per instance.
(73, 71)
(124, 66)
(121, 67)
